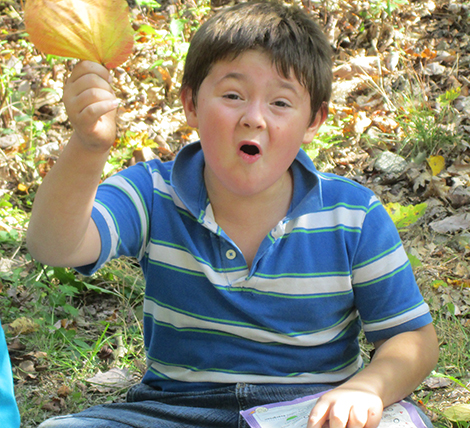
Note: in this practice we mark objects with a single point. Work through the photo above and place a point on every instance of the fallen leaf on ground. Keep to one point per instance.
(437, 382)
(113, 379)
(437, 164)
(64, 391)
(452, 223)
(27, 366)
(459, 412)
(55, 405)
(404, 216)
(16, 345)
(23, 325)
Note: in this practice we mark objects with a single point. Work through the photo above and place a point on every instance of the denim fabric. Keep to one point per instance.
(217, 408)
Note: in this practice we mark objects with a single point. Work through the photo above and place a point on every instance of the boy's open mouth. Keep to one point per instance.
(250, 149)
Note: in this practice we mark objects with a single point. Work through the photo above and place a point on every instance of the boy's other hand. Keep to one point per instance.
(91, 105)
(350, 408)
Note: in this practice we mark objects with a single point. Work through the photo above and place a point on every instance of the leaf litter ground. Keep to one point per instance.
(399, 124)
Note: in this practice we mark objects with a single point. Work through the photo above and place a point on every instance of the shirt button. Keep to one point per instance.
(230, 254)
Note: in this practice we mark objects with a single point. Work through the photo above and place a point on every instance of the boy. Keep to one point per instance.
(259, 269)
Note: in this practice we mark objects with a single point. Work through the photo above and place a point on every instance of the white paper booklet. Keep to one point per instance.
(294, 414)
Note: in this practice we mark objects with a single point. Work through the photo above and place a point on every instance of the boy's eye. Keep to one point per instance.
(281, 104)
(232, 96)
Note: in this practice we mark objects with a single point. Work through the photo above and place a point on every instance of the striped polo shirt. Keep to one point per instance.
(333, 265)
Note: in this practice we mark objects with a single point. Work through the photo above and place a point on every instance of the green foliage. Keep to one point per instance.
(376, 8)
(148, 3)
(327, 137)
(34, 128)
(448, 97)
(438, 283)
(11, 237)
(415, 262)
(404, 216)
(70, 341)
(387, 6)
(171, 44)
(454, 346)
(427, 130)
(7, 74)
(124, 150)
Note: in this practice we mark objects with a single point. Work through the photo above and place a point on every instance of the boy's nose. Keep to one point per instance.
(253, 117)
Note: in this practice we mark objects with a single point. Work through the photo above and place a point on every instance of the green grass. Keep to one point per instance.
(69, 346)
(426, 128)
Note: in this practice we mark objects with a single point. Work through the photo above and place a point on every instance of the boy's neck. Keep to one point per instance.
(238, 208)
(248, 219)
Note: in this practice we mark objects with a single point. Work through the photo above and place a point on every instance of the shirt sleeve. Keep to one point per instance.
(121, 214)
(386, 293)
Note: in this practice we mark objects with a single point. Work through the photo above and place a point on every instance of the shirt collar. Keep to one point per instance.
(187, 178)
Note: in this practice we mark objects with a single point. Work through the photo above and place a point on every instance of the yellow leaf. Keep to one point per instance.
(437, 164)
(459, 412)
(23, 325)
(94, 30)
(22, 187)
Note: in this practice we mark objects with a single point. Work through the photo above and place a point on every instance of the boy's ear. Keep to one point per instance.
(320, 118)
(189, 107)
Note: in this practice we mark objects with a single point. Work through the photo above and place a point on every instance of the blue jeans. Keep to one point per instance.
(215, 408)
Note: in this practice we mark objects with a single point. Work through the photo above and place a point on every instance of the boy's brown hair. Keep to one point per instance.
(286, 33)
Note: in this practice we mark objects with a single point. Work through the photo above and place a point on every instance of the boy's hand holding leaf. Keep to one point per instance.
(94, 30)
(91, 106)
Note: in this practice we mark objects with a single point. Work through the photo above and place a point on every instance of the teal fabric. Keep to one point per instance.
(9, 415)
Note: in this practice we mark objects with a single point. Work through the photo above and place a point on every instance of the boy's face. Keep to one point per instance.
(252, 122)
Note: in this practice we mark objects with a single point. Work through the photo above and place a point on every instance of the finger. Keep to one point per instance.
(89, 67)
(339, 416)
(91, 96)
(88, 81)
(358, 417)
(76, 105)
(81, 88)
(319, 415)
(93, 112)
(374, 417)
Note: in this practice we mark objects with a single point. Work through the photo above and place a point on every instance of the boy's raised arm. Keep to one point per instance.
(61, 231)
(399, 365)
